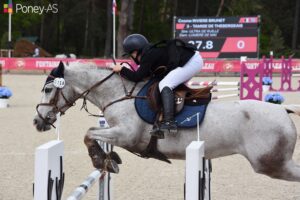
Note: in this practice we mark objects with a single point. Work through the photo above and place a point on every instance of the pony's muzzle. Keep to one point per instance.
(40, 124)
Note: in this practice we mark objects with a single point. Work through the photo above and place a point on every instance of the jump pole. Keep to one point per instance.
(83, 188)
(225, 96)
(224, 89)
(214, 83)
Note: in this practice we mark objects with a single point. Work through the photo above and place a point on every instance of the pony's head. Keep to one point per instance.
(54, 99)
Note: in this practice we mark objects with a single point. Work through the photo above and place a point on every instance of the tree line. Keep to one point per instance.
(85, 27)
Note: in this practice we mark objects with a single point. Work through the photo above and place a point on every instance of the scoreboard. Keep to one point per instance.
(220, 37)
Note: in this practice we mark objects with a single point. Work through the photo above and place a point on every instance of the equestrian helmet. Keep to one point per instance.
(134, 42)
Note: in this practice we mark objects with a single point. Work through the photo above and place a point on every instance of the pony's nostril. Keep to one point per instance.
(50, 115)
(35, 121)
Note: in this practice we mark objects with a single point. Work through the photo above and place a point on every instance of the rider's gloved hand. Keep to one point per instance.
(117, 68)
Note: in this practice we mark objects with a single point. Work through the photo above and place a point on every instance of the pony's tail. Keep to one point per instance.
(292, 109)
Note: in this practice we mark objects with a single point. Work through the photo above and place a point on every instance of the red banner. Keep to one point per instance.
(50, 63)
(212, 66)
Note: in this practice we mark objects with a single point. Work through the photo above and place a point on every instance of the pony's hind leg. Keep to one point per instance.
(277, 168)
(278, 162)
(291, 172)
(273, 156)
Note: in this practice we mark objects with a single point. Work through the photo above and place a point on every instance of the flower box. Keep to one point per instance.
(266, 88)
(274, 98)
(267, 80)
(3, 103)
(5, 94)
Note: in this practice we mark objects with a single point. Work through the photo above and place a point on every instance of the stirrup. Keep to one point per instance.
(170, 126)
(157, 132)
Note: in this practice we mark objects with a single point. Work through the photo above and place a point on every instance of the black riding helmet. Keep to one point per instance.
(134, 42)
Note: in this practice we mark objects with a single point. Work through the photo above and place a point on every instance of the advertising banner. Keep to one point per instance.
(210, 66)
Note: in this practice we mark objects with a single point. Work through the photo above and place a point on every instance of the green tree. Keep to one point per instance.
(276, 42)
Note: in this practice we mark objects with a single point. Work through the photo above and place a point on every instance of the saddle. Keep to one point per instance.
(183, 96)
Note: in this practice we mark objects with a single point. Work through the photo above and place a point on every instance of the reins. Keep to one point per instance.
(53, 102)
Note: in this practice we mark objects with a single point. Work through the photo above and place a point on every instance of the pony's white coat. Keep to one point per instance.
(262, 132)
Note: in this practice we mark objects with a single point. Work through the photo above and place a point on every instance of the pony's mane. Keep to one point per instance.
(79, 66)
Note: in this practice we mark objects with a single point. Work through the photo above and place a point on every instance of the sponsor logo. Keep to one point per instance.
(20, 63)
(8, 8)
(228, 66)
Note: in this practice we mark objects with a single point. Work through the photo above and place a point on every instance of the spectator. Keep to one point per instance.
(36, 52)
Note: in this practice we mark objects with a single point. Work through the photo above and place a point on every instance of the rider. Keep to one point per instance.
(182, 62)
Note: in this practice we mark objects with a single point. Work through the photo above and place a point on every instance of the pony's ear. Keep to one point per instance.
(59, 71)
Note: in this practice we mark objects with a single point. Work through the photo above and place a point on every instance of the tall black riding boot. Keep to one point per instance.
(168, 123)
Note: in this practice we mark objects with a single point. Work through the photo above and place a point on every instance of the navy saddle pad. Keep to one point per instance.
(186, 118)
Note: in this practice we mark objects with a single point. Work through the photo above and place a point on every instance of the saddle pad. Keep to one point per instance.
(187, 118)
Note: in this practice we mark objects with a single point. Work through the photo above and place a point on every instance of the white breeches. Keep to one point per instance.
(182, 74)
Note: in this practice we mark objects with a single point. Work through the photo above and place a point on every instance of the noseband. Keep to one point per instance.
(53, 103)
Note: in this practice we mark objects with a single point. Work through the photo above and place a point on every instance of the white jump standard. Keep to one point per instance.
(197, 175)
(48, 172)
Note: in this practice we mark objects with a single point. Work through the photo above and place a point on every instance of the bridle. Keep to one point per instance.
(69, 103)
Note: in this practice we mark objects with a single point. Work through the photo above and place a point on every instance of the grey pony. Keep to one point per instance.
(262, 132)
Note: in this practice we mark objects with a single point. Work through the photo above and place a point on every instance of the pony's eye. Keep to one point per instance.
(48, 90)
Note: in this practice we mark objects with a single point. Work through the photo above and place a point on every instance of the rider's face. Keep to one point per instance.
(134, 54)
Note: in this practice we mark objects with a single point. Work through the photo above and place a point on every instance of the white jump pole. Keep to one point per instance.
(225, 96)
(83, 188)
(224, 89)
(214, 83)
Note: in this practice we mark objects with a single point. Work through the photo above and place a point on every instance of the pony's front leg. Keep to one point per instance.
(101, 160)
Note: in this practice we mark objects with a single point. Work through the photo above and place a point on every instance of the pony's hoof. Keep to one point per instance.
(114, 156)
(111, 166)
(97, 162)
